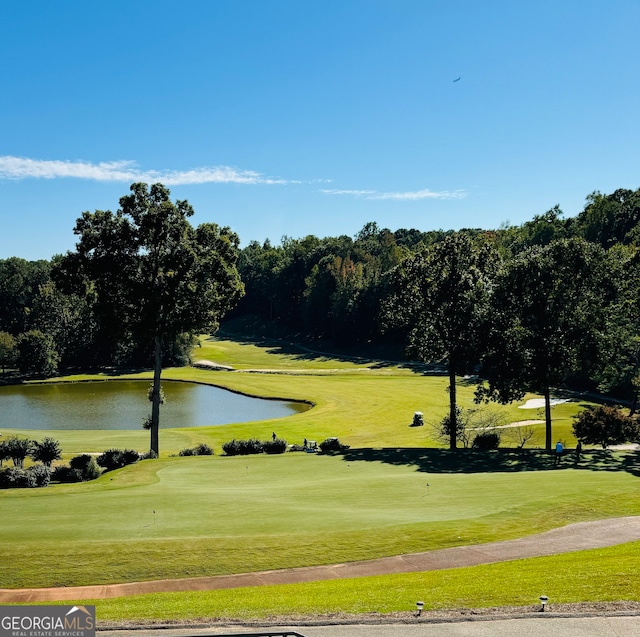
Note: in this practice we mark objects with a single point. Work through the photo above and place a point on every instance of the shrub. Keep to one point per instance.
(332, 445)
(41, 474)
(85, 466)
(231, 448)
(602, 425)
(442, 430)
(251, 446)
(486, 440)
(199, 450)
(13, 478)
(16, 478)
(130, 456)
(243, 447)
(277, 445)
(65, 473)
(116, 458)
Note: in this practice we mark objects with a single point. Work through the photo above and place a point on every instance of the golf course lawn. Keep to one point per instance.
(395, 490)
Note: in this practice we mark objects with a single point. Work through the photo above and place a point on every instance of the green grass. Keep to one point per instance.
(186, 517)
(588, 576)
(189, 517)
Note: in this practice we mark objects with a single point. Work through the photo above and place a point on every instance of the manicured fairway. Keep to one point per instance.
(396, 490)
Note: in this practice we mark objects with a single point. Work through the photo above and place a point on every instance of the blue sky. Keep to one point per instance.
(283, 117)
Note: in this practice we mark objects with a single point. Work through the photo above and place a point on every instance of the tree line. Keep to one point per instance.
(530, 307)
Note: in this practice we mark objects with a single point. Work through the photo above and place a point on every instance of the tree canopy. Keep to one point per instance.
(546, 320)
(441, 295)
(152, 275)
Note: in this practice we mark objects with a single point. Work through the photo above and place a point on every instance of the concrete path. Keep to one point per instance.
(574, 537)
(540, 625)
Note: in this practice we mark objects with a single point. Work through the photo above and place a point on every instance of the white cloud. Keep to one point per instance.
(25, 168)
(400, 196)
(354, 193)
(421, 194)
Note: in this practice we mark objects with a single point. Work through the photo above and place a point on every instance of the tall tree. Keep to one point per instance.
(20, 281)
(37, 354)
(619, 373)
(441, 295)
(8, 351)
(547, 319)
(154, 276)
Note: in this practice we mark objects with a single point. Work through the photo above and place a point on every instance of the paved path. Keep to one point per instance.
(540, 625)
(574, 537)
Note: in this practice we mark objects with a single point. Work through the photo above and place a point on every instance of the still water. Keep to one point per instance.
(123, 404)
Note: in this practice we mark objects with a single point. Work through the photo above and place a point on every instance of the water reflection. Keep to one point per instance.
(123, 404)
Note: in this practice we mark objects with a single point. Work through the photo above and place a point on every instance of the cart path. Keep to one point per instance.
(566, 539)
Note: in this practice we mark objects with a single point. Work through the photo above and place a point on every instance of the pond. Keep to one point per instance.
(123, 404)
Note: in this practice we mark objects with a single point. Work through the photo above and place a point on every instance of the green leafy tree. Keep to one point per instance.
(46, 451)
(547, 316)
(603, 425)
(153, 275)
(8, 350)
(4, 451)
(619, 374)
(610, 219)
(20, 281)
(37, 354)
(18, 449)
(540, 231)
(441, 295)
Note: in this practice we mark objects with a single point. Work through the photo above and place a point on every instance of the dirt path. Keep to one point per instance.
(566, 539)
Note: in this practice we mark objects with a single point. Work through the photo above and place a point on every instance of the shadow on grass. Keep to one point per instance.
(319, 351)
(500, 460)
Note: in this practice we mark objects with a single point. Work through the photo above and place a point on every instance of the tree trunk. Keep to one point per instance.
(547, 417)
(155, 396)
(634, 398)
(453, 420)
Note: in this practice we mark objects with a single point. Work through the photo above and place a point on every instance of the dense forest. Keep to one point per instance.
(553, 301)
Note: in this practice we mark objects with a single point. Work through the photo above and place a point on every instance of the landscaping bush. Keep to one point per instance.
(332, 445)
(117, 458)
(199, 450)
(65, 473)
(243, 447)
(85, 466)
(231, 448)
(276, 445)
(41, 474)
(486, 440)
(16, 478)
